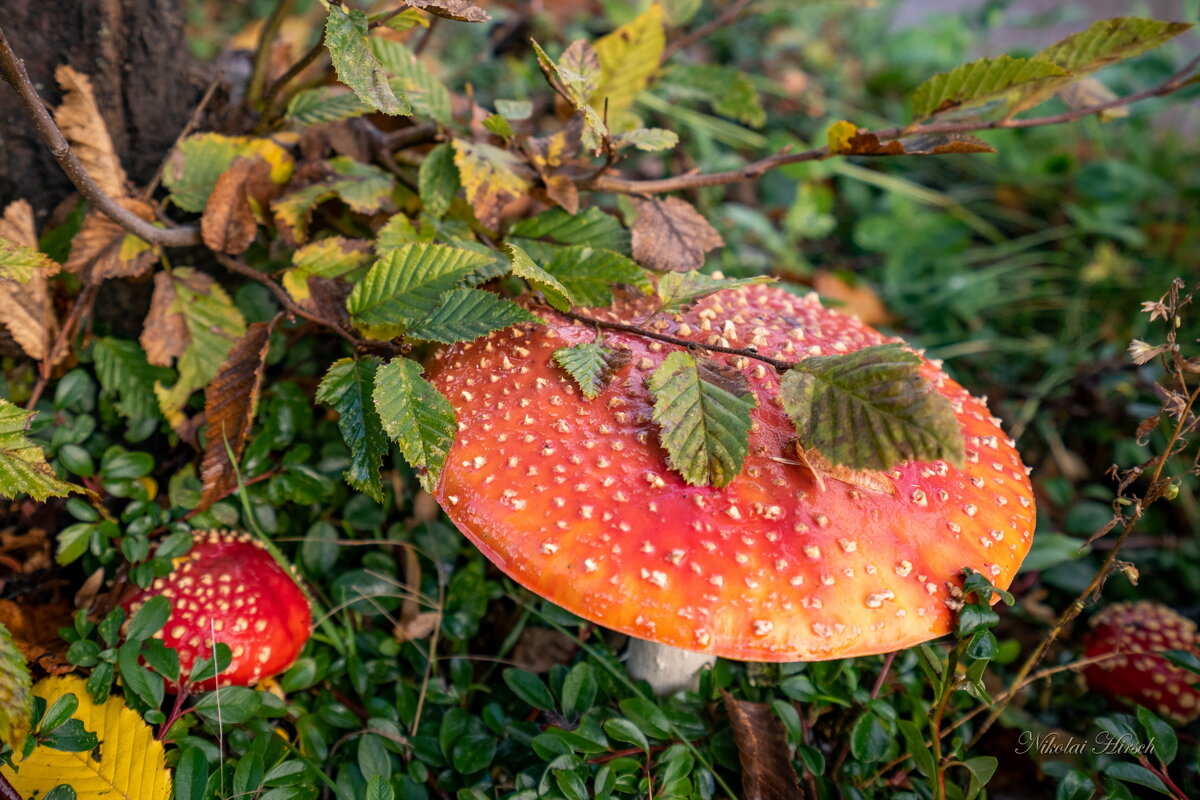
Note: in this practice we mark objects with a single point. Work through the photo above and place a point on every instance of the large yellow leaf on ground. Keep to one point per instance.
(129, 764)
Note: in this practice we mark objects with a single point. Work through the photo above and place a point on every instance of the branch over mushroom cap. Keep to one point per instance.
(229, 589)
(574, 500)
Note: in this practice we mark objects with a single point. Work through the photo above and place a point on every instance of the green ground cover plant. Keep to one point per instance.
(415, 175)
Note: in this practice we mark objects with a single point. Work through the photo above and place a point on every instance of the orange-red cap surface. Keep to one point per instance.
(574, 500)
(229, 589)
(1139, 632)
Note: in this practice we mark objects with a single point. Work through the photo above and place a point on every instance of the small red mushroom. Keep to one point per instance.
(1139, 632)
(574, 498)
(229, 589)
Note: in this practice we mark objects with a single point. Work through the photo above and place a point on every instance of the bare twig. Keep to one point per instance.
(726, 17)
(610, 183)
(426, 37)
(285, 300)
(14, 72)
(780, 366)
(79, 308)
(262, 53)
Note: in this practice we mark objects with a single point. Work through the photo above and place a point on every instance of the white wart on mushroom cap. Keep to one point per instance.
(574, 500)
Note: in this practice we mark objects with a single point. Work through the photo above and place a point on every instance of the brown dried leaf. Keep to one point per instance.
(460, 10)
(327, 298)
(25, 308)
(27, 312)
(79, 118)
(34, 628)
(229, 404)
(110, 250)
(845, 139)
(165, 335)
(228, 223)
(867, 479)
(419, 627)
(541, 649)
(761, 739)
(562, 190)
(670, 235)
(947, 144)
(17, 225)
(861, 301)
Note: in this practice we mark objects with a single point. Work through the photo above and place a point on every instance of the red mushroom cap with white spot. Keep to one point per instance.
(1133, 635)
(574, 500)
(229, 589)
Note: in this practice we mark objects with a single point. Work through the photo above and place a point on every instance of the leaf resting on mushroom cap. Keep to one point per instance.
(702, 410)
(591, 364)
(870, 409)
(574, 499)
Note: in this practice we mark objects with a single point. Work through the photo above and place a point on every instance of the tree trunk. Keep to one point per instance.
(145, 80)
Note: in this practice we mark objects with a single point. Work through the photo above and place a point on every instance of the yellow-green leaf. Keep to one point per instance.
(193, 168)
(980, 82)
(129, 763)
(629, 60)
(19, 262)
(1106, 42)
(191, 318)
(490, 176)
(14, 693)
(23, 467)
(333, 257)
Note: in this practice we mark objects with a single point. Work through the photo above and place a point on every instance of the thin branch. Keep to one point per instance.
(191, 125)
(780, 366)
(14, 73)
(262, 53)
(726, 17)
(285, 300)
(608, 183)
(306, 60)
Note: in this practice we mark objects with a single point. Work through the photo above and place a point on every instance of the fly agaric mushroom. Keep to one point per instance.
(575, 501)
(228, 589)
(1139, 632)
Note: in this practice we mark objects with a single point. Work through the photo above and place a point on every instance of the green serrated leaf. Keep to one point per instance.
(347, 387)
(591, 364)
(356, 64)
(980, 82)
(416, 416)
(587, 273)
(498, 125)
(1105, 42)
(406, 284)
(870, 409)
(332, 257)
(589, 227)
(23, 467)
(576, 78)
(463, 315)
(438, 180)
(551, 288)
(123, 372)
(364, 188)
(679, 289)
(427, 95)
(18, 262)
(324, 104)
(15, 695)
(702, 410)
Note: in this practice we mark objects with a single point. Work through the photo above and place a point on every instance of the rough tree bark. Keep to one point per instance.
(145, 80)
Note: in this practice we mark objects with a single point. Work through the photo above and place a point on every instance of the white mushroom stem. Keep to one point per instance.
(667, 669)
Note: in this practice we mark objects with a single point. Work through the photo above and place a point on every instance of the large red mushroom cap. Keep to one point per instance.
(229, 589)
(1139, 632)
(574, 499)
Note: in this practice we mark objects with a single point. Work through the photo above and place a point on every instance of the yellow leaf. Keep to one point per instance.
(629, 59)
(839, 136)
(490, 178)
(129, 764)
